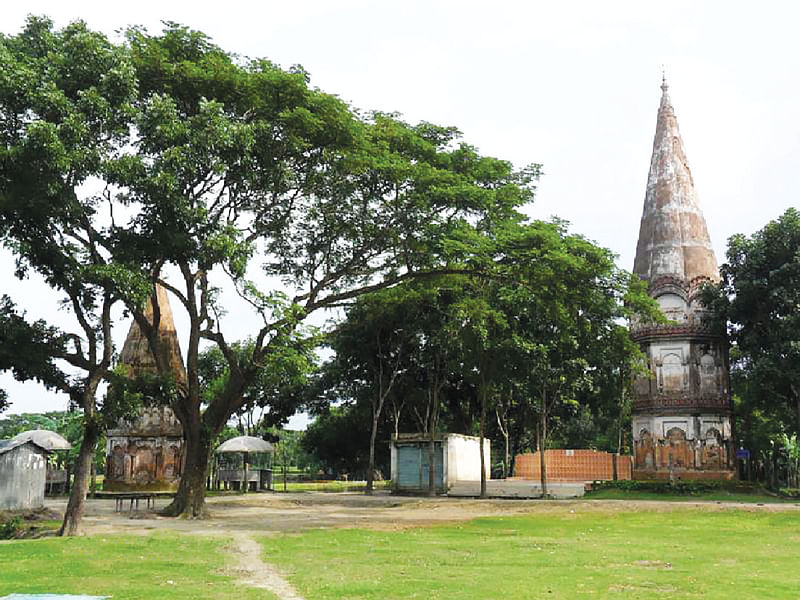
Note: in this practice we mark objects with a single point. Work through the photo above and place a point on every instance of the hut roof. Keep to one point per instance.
(9, 445)
(246, 443)
(44, 438)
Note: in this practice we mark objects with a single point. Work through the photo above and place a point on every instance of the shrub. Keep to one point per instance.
(677, 487)
(10, 527)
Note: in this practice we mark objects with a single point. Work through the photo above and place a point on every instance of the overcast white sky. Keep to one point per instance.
(571, 85)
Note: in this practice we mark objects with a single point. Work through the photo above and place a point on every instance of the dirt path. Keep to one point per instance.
(251, 571)
(270, 514)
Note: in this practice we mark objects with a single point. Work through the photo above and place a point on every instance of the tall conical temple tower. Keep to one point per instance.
(147, 453)
(682, 411)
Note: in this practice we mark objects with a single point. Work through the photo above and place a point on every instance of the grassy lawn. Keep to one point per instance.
(684, 553)
(127, 567)
(328, 486)
(313, 486)
(754, 497)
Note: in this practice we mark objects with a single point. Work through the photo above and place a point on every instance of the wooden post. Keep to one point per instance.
(246, 482)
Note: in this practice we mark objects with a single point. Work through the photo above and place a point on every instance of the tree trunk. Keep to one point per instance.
(621, 418)
(433, 425)
(191, 495)
(431, 465)
(797, 404)
(505, 433)
(507, 454)
(482, 431)
(83, 466)
(542, 440)
(373, 435)
(431, 456)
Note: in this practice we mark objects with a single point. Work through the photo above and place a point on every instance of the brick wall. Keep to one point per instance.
(572, 465)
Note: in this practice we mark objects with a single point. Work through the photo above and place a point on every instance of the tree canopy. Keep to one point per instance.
(65, 106)
(757, 299)
(213, 170)
(537, 344)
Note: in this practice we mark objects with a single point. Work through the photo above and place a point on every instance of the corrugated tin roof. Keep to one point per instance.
(44, 438)
(9, 445)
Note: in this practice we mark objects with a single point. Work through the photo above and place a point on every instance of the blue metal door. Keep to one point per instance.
(408, 467)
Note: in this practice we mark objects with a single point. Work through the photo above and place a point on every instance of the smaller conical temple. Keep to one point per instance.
(136, 352)
(682, 410)
(147, 453)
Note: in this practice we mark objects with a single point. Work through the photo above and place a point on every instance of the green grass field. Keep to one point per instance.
(683, 553)
(151, 566)
(559, 552)
(332, 486)
(328, 486)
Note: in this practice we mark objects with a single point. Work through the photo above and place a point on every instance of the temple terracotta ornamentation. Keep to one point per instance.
(147, 453)
(682, 420)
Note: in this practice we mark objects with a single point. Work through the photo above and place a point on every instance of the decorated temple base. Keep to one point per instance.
(141, 459)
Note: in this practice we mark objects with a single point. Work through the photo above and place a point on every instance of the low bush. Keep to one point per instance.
(10, 527)
(679, 487)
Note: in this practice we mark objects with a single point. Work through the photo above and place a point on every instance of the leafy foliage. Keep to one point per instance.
(65, 105)
(533, 341)
(218, 168)
(757, 300)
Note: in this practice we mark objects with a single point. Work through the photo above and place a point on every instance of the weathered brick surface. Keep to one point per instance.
(572, 465)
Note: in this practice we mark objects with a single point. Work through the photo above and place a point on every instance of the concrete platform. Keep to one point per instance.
(506, 488)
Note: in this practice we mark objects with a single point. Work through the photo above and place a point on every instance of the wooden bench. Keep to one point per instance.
(134, 498)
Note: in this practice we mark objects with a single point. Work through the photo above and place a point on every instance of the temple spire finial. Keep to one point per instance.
(664, 86)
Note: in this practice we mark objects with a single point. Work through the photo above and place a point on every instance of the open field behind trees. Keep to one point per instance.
(352, 546)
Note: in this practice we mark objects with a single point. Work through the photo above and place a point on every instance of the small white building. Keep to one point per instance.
(24, 468)
(23, 472)
(456, 458)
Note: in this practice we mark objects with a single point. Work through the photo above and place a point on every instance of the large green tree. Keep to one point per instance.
(566, 316)
(247, 167)
(537, 339)
(371, 347)
(758, 299)
(65, 97)
(217, 169)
